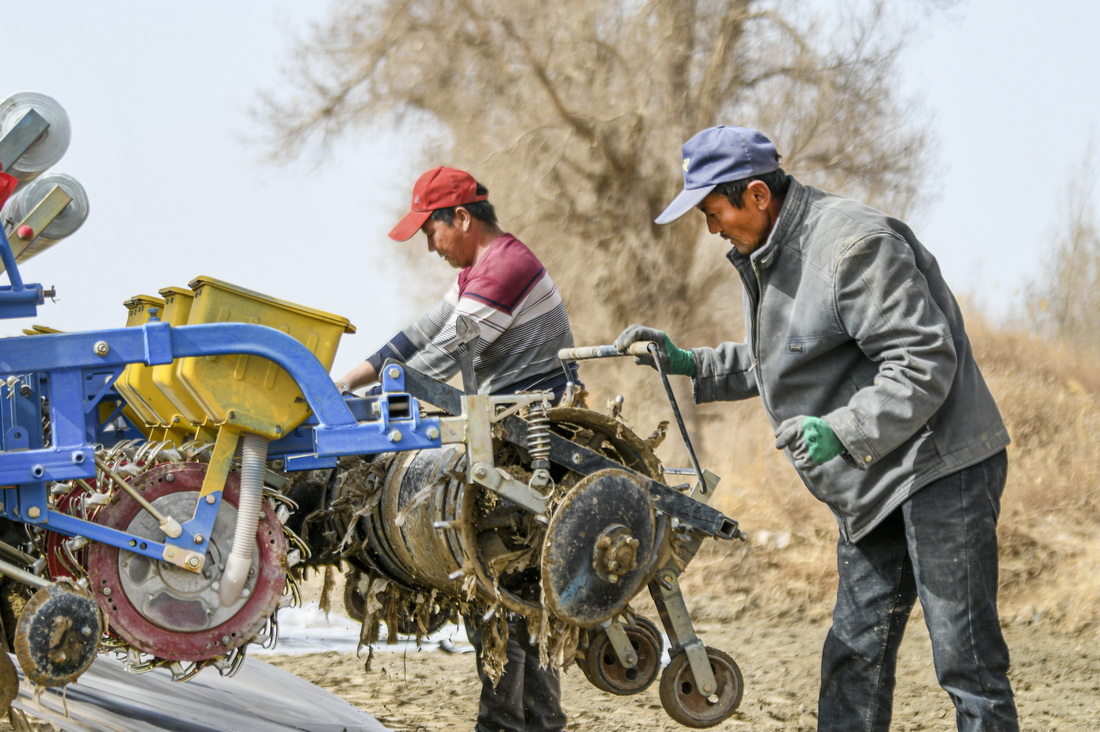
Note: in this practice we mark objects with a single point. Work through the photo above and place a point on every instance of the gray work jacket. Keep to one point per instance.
(848, 319)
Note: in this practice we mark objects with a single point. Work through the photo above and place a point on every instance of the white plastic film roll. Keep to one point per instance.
(49, 148)
(29, 195)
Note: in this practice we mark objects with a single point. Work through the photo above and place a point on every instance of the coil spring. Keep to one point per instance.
(538, 436)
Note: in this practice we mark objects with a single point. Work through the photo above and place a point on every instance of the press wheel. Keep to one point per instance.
(58, 634)
(681, 698)
(602, 667)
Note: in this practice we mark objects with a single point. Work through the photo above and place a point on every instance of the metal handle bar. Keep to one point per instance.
(638, 348)
(660, 360)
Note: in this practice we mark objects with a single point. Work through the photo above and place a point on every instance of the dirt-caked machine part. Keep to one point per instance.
(164, 484)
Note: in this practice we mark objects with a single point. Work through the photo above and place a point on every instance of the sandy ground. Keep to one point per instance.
(1057, 680)
(1056, 675)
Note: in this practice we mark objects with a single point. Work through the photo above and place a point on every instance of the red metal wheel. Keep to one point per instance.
(168, 611)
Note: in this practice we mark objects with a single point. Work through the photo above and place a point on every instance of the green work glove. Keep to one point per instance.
(680, 361)
(821, 442)
(809, 439)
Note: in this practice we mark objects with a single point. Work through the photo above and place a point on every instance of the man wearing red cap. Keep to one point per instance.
(502, 286)
(506, 290)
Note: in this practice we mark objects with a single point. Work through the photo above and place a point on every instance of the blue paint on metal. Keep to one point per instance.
(76, 373)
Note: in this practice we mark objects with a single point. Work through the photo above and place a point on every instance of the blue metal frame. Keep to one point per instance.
(17, 300)
(67, 361)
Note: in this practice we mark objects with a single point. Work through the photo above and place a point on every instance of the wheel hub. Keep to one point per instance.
(170, 596)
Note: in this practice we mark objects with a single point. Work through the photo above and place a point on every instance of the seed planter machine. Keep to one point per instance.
(163, 484)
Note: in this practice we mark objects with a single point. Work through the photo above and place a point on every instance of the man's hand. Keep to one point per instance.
(821, 441)
(789, 435)
(810, 439)
(680, 361)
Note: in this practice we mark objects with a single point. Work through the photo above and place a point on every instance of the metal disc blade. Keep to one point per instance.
(599, 548)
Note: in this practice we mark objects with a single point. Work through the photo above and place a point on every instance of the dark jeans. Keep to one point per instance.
(528, 697)
(940, 546)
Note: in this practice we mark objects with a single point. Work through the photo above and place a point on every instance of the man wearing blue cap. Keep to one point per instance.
(856, 347)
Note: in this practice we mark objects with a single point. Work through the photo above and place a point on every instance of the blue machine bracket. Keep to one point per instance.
(71, 365)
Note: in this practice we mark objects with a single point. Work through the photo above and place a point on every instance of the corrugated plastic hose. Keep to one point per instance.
(253, 465)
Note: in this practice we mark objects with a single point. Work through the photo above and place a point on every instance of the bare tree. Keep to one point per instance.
(1065, 302)
(573, 112)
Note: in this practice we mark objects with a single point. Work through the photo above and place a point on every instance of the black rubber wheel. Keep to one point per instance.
(602, 668)
(683, 701)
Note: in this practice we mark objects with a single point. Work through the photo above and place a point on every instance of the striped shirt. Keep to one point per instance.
(522, 318)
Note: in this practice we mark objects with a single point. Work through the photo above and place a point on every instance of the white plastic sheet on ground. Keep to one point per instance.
(308, 629)
(259, 698)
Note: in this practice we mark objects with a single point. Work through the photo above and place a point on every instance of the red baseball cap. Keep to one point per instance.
(440, 187)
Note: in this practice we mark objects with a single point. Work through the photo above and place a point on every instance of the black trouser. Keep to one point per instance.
(940, 546)
(528, 697)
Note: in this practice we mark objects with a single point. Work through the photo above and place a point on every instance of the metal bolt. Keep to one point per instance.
(106, 591)
(433, 433)
(101, 348)
(210, 499)
(577, 459)
(170, 478)
(34, 512)
(394, 372)
(481, 472)
(395, 436)
(199, 538)
(193, 562)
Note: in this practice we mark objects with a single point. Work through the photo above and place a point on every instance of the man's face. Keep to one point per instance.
(746, 228)
(449, 241)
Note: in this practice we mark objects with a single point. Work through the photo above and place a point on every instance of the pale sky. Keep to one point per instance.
(1015, 89)
(158, 97)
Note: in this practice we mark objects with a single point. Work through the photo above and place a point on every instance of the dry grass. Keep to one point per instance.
(1050, 543)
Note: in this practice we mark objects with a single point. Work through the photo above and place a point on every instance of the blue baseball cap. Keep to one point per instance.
(719, 155)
